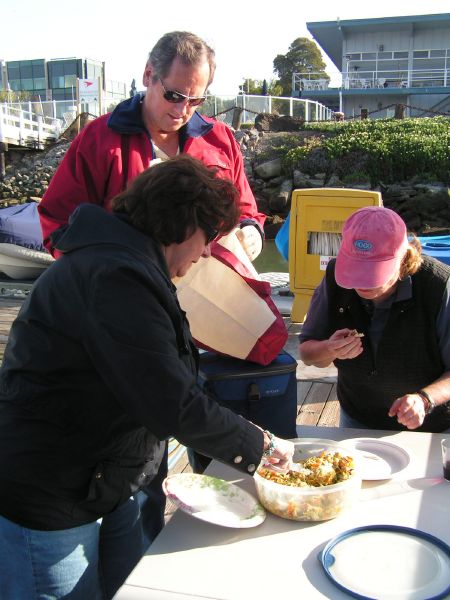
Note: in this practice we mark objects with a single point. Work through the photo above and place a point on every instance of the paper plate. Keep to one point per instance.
(379, 459)
(214, 500)
(388, 562)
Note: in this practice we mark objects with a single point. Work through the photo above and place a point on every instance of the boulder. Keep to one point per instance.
(270, 122)
(269, 169)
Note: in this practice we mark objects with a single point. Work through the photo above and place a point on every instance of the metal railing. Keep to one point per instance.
(415, 78)
(252, 105)
(25, 127)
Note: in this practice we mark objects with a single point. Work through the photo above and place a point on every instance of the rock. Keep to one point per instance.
(431, 188)
(280, 201)
(394, 190)
(241, 137)
(315, 183)
(269, 169)
(334, 181)
(361, 186)
(270, 122)
(301, 180)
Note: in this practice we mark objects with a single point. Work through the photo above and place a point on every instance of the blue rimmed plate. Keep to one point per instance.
(388, 562)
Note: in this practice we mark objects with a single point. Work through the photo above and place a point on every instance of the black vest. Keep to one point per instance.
(407, 357)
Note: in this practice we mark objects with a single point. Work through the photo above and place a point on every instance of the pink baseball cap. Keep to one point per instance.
(374, 242)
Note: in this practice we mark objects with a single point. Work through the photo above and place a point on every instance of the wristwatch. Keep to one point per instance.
(429, 404)
(271, 447)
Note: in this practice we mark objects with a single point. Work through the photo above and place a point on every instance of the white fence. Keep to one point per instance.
(252, 105)
(25, 127)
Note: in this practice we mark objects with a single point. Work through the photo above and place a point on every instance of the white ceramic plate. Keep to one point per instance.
(389, 562)
(214, 500)
(379, 459)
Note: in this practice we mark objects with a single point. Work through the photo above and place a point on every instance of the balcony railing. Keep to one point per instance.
(416, 78)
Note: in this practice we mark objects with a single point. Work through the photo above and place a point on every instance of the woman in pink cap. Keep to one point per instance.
(382, 315)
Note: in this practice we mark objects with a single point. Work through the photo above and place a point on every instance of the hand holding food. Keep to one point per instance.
(279, 452)
(355, 333)
(345, 344)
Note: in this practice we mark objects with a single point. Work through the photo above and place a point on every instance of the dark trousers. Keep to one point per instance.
(152, 503)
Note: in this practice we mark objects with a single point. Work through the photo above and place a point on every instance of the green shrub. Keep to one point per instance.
(356, 177)
(392, 149)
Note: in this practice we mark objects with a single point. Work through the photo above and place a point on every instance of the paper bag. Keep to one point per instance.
(230, 310)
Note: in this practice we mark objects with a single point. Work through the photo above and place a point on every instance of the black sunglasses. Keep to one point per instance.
(177, 97)
(210, 233)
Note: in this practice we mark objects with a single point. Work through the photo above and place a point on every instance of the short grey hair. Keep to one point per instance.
(189, 48)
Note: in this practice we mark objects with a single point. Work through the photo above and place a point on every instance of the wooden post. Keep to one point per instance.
(399, 111)
(100, 97)
(3, 149)
(78, 105)
(237, 118)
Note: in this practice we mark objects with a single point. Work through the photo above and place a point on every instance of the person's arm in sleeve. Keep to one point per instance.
(410, 410)
(137, 354)
(316, 347)
(251, 232)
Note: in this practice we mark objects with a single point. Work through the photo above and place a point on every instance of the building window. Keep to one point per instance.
(38, 71)
(14, 84)
(437, 53)
(39, 83)
(70, 81)
(27, 84)
(57, 82)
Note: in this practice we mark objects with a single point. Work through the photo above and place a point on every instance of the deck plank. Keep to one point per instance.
(331, 410)
(312, 408)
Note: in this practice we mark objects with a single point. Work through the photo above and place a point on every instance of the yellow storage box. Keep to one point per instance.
(316, 222)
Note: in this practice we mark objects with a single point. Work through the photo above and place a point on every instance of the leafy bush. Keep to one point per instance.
(393, 149)
(356, 177)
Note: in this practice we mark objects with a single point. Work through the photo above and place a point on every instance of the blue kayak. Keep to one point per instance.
(436, 246)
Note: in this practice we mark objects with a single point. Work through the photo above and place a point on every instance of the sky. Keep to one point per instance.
(246, 34)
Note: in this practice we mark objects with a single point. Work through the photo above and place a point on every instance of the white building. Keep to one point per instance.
(383, 62)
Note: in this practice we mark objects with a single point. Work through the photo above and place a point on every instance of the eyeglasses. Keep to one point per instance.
(177, 97)
(210, 233)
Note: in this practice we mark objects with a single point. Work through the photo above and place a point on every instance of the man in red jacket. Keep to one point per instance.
(155, 125)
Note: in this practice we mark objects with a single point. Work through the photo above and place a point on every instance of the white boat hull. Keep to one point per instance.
(18, 262)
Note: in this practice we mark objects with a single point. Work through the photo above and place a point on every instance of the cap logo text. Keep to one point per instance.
(363, 245)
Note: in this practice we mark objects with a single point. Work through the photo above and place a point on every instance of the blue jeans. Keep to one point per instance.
(89, 562)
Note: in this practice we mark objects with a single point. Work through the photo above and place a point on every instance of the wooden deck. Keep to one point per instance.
(316, 389)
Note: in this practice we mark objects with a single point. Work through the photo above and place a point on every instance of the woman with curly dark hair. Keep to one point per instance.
(99, 370)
